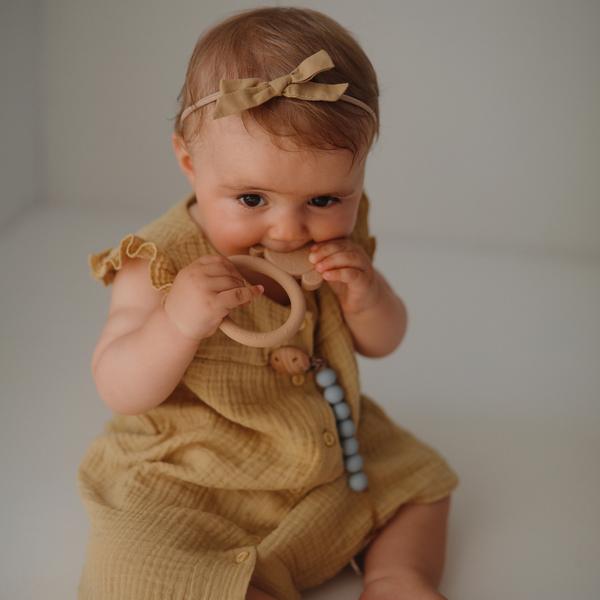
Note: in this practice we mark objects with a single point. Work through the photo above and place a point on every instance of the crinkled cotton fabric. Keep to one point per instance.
(238, 477)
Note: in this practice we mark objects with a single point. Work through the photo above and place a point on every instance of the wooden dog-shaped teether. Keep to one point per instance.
(295, 263)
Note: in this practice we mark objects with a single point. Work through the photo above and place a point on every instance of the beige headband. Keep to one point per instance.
(236, 95)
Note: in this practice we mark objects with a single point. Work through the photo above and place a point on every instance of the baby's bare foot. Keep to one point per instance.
(400, 587)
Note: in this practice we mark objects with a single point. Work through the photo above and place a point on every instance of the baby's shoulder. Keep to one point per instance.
(167, 244)
(133, 287)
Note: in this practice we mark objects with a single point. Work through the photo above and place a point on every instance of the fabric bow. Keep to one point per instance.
(236, 95)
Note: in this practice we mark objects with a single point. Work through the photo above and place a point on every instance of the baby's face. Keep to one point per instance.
(250, 192)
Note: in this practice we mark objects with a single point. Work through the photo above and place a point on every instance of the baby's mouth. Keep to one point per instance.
(284, 249)
(295, 262)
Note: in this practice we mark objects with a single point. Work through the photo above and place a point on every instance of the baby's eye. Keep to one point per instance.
(253, 203)
(320, 203)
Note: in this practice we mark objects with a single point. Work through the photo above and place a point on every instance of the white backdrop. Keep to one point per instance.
(20, 103)
(490, 111)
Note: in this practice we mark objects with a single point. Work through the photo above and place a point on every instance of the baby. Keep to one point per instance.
(223, 474)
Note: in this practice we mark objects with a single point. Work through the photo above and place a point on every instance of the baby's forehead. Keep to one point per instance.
(232, 130)
(228, 140)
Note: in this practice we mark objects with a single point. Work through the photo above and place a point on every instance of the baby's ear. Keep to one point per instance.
(184, 158)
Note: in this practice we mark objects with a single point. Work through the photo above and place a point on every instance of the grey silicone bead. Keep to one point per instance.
(346, 428)
(358, 481)
(341, 410)
(350, 446)
(333, 394)
(354, 463)
(325, 377)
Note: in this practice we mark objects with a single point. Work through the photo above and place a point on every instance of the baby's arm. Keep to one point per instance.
(378, 330)
(375, 315)
(147, 345)
(141, 355)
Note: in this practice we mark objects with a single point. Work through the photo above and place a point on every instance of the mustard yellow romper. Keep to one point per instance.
(238, 477)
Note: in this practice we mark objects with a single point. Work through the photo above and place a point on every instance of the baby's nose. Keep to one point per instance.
(288, 231)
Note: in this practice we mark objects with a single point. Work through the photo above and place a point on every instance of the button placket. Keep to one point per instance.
(292, 360)
(333, 393)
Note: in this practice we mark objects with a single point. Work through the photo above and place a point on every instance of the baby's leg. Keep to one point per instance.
(406, 559)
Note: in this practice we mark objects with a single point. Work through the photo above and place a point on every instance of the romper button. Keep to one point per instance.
(242, 556)
(328, 438)
(298, 379)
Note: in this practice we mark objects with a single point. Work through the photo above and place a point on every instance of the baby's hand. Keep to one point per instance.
(204, 292)
(347, 268)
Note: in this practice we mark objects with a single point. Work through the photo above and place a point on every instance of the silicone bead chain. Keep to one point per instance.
(326, 378)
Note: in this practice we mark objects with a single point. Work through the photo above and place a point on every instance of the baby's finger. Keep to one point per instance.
(232, 269)
(221, 269)
(346, 275)
(349, 258)
(220, 283)
(320, 251)
(238, 296)
(218, 264)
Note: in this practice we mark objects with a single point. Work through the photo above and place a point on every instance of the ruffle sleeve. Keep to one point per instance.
(361, 234)
(104, 265)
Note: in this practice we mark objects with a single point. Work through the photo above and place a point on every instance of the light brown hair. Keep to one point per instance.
(269, 42)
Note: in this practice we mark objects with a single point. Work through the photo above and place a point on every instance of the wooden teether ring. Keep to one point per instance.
(260, 339)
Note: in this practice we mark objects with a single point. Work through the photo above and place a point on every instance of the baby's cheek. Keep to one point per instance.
(239, 236)
(339, 227)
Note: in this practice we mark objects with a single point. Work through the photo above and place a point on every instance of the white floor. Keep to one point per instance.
(500, 370)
